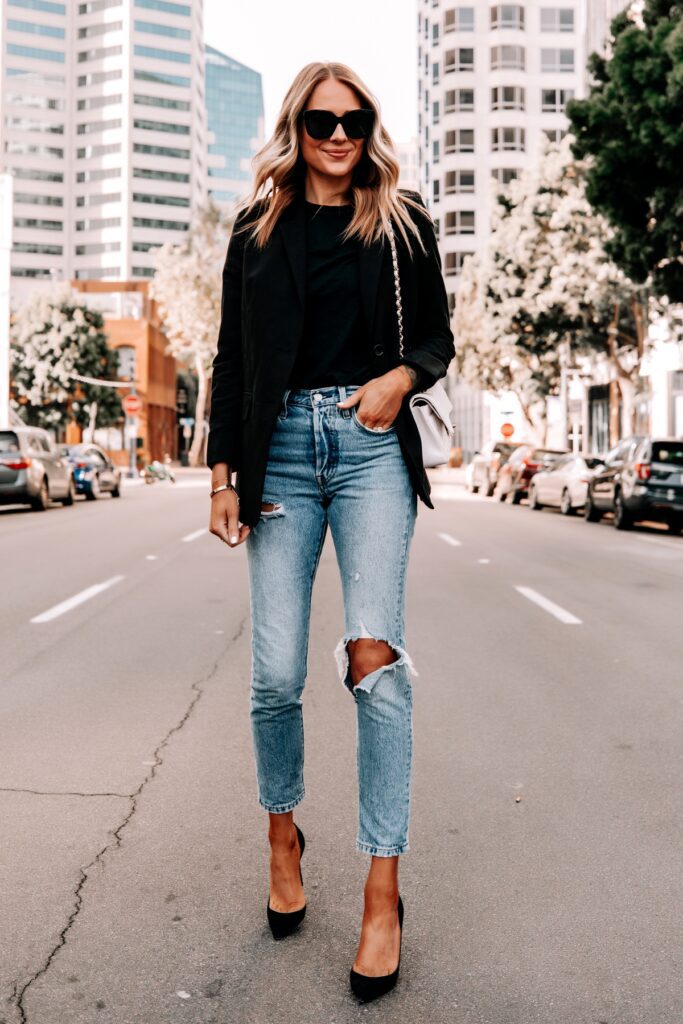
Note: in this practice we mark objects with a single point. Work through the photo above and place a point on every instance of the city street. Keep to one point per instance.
(544, 877)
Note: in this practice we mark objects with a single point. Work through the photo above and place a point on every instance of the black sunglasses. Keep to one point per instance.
(322, 124)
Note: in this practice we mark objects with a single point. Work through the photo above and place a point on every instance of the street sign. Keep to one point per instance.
(507, 430)
(186, 421)
(132, 405)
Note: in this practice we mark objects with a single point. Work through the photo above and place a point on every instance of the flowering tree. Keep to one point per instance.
(52, 336)
(187, 286)
(545, 290)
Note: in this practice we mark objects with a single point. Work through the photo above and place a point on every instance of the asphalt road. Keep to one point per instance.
(543, 884)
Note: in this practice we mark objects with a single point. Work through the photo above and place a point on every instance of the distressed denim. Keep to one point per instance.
(325, 467)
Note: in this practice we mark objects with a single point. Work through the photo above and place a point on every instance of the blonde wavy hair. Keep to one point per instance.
(375, 176)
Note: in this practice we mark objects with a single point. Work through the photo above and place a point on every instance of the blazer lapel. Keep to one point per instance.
(292, 227)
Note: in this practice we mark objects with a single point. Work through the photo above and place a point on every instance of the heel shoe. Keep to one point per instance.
(366, 987)
(282, 924)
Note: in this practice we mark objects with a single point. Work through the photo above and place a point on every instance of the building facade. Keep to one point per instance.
(103, 127)
(492, 80)
(234, 104)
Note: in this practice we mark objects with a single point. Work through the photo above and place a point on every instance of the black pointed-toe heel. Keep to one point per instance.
(283, 924)
(366, 987)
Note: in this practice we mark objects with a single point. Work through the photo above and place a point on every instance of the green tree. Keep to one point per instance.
(54, 335)
(630, 127)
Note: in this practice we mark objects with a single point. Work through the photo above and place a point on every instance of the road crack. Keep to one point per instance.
(19, 994)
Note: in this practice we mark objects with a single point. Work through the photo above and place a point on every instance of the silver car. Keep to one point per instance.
(33, 470)
(564, 484)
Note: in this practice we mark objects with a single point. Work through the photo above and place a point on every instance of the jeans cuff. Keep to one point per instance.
(282, 808)
(381, 851)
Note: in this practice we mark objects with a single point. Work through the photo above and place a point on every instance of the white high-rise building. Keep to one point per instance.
(103, 127)
(492, 79)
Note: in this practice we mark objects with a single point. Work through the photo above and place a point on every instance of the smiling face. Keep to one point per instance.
(337, 156)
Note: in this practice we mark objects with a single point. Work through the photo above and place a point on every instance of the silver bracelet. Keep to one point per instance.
(221, 487)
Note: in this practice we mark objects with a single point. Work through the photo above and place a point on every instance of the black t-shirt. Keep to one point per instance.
(335, 348)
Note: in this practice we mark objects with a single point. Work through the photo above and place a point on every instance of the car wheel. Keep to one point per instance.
(116, 492)
(71, 494)
(488, 488)
(675, 526)
(622, 518)
(590, 512)
(94, 491)
(42, 498)
(566, 507)
(502, 495)
(533, 500)
(515, 497)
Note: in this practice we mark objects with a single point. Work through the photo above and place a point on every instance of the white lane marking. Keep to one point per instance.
(484, 561)
(193, 536)
(151, 558)
(450, 540)
(549, 606)
(73, 602)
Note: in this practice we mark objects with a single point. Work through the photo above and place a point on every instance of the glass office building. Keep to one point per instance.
(234, 103)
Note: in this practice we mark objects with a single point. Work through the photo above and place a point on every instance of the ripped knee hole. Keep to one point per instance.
(366, 655)
(271, 509)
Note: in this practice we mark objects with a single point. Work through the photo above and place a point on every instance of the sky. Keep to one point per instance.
(376, 38)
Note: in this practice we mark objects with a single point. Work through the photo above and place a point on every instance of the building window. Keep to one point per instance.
(504, 175)
(162, 78)
(436, 193)
(39, 5)
(165, 6)
(162, 30)
(86, 152)
(23, 149)
(101, 53)
(458, 182)
(30, 27)
(460, 222)
(507, 16)
(160, 225)
(100, 174)
(557, 19)
(435, 73)
(96, 77)
(454, 262)
(142, 197)
(28, 124)
(461, 59)
(156, 54)
(435, 151)
(161, 126)
(95, 102)
(99, 28)
(127, 361)
(460, 140)
(36, 249)
(557, 60)
(97, 273)
(98, 198)
(93, 127)
(95, 248)
(97, 5)
(98, 224)
(507, 97)
(507, 57)
(459, 19)
(435, 112)
(178, 154)
(555, 134)
(34, 174)
(553, 101)
(435, 34)
(508, 139)
(42, 225)
(161, 101)
(459, 101)
(35, 53)
(38, 200)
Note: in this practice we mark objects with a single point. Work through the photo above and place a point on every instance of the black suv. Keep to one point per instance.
(641, 478)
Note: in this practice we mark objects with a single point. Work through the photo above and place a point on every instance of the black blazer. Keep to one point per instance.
(262, 315)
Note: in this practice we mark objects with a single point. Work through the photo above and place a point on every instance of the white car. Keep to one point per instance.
(563, 485)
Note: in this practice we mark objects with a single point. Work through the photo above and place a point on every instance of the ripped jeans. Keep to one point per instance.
(324, 467)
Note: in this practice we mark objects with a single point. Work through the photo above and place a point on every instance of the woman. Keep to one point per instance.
(309, 406)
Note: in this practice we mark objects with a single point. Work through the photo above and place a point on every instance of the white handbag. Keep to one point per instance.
(431, 408)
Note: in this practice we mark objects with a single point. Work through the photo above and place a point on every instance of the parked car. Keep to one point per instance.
(642, 478)
(563, 485)
(33, 470)
(514, 477)
(486, 465)
(94, 472)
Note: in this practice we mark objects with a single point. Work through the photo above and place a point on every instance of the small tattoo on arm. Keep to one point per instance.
(412, 373)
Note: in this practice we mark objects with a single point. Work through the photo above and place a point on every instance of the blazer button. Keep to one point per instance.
(379, 351)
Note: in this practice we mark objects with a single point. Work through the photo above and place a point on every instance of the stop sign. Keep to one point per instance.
(132, 405)
(507, 430)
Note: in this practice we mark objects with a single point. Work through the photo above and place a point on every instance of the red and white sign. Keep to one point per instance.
(507, 430)
(132, 405)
